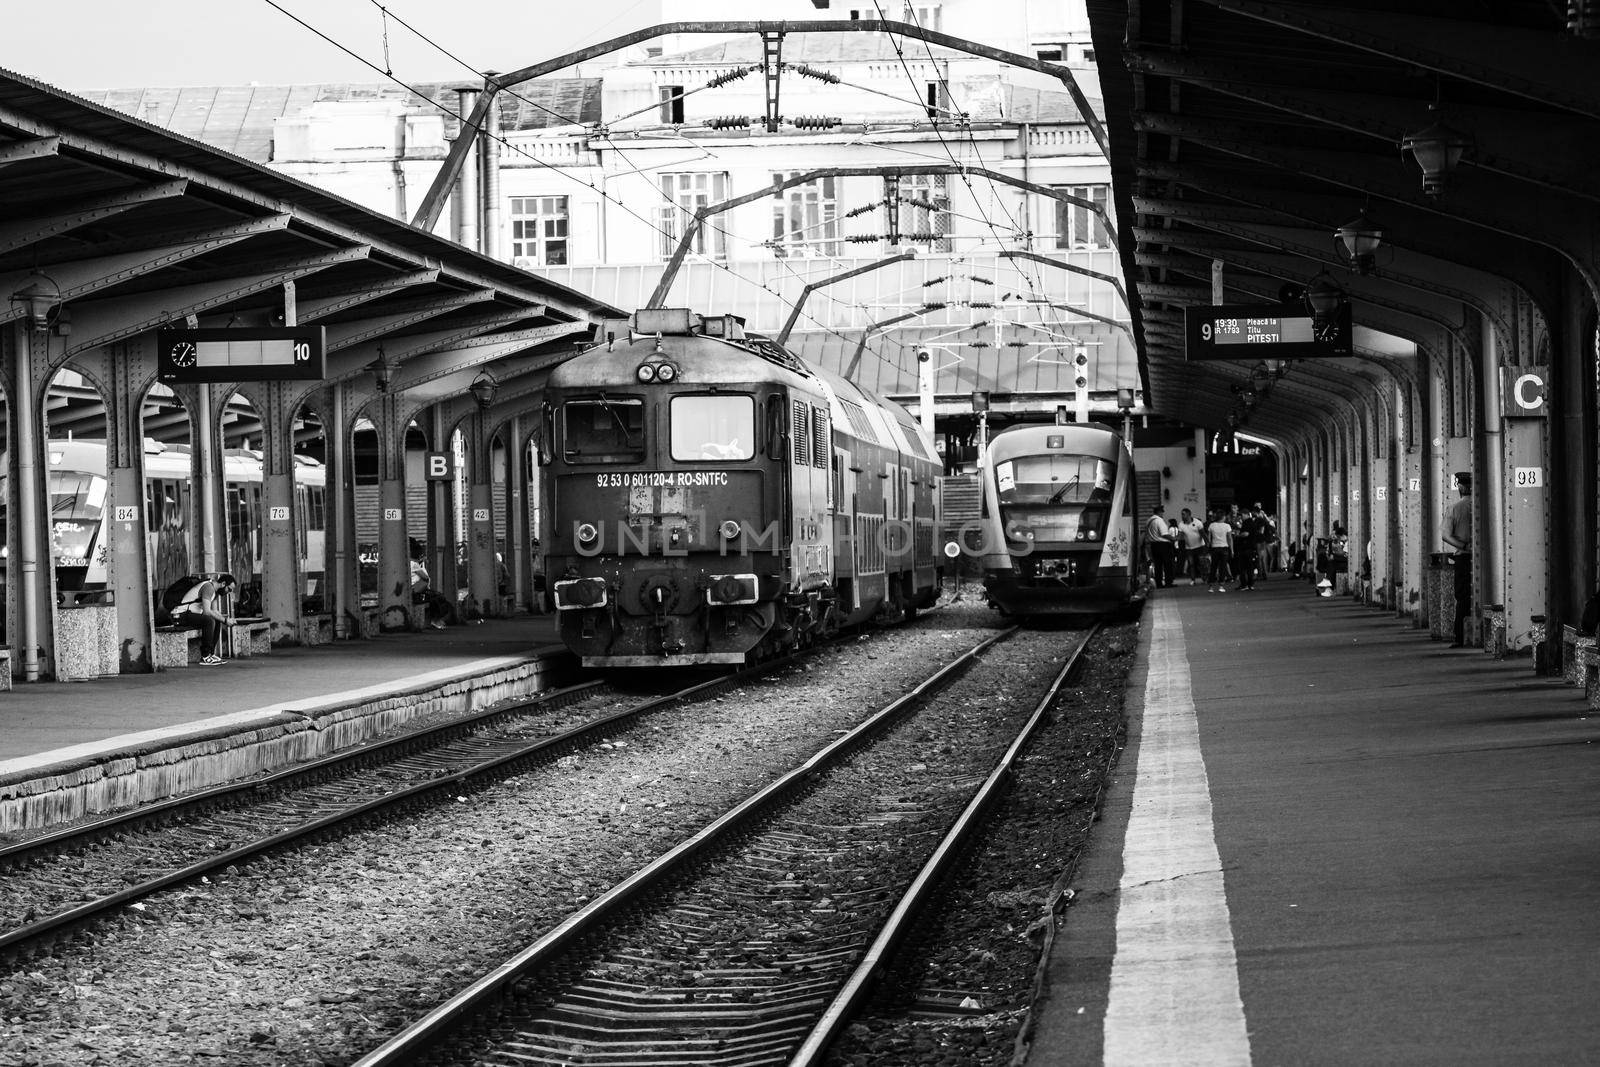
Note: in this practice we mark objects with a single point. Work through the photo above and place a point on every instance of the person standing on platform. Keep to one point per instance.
(1192, 552)
(1219, 536)
(1458, 535)
(1244, 551)
(1266, 540)
(1158, 541)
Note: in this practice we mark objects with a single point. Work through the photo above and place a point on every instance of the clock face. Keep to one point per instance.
(183, 354)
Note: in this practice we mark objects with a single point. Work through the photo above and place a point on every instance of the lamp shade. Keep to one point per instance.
(483, 388)
(1324, 296)
(383, 369)
(1360, 238)
(1437, 149)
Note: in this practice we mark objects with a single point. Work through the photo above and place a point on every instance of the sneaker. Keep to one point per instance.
(210, 661)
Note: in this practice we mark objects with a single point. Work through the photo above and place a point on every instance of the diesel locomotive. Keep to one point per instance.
(709, 498)
(1059, 507)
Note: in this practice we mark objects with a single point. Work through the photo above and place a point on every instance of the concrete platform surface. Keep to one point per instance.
(1333, 840)
(68, 749)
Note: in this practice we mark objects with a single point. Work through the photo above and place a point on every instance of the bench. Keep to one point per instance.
(177, 646)
(1570, 643)
(174, 646)
(1588, 670)
(251, 637)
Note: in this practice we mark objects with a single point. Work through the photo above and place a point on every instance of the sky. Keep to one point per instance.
(97, 44)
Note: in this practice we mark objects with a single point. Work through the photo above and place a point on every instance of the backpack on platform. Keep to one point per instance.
(181, 598)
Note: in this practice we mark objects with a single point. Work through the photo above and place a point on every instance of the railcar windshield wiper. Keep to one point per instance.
(1061, 494)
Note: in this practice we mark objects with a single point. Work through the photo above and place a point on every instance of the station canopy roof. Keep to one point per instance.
(1247, 132)
(137, 227)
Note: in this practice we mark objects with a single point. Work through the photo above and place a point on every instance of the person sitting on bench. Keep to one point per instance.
(194, 602)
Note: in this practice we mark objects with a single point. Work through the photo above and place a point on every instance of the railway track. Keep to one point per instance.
(59, 883)
(755, 940)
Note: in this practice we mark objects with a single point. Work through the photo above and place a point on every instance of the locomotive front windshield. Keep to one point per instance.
(713, 427)
(603, 429)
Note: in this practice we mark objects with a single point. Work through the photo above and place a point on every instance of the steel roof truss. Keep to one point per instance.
(311, 308)
(57, 219)
(100, 322)
(79, 278)
(342, 335)
(1495, 55)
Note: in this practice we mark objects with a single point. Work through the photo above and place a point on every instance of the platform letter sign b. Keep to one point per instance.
(1524, 391)
(438, 466)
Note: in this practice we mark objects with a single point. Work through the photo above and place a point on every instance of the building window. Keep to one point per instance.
(1078, 227)
(1048, 55)
(805, 218)
(539, 231)
(688, 193)
(672, 104)
(925, 209)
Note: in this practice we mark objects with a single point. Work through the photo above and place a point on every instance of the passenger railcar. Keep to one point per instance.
(1059, 506)
(711, 499)
(76, 482)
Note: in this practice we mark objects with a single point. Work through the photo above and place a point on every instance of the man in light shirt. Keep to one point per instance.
(1158, 538)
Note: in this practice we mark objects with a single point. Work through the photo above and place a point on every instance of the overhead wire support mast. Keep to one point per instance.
(509, 145)
(433, 202)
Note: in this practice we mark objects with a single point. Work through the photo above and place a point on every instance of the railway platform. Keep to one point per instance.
(77, 748)
(1333, 840)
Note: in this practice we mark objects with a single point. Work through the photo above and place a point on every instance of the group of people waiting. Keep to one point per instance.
(1237, 544)
(1233, 544)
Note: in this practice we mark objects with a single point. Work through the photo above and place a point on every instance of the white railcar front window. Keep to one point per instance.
(713, 427)
(1054, 479)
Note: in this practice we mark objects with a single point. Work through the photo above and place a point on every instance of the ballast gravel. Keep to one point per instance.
(315, 957)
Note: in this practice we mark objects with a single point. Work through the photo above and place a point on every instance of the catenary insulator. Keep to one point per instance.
(812, 72)
(728, 76)
(815, 122)
(864, 238)
(729, 122)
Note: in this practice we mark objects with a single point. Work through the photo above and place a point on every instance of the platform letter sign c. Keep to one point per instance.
(1524, 391)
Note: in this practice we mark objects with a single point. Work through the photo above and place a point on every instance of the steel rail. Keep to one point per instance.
(410, 1044)
(289, 778)
(858, 986)
(23, 938)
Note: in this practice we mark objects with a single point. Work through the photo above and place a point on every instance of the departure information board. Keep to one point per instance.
(284, 353)
(1263, 331)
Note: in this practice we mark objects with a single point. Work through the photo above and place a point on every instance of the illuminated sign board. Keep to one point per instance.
(285, 353)
(1263, 331)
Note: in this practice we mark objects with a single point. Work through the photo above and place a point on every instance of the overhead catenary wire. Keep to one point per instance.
(1024, 272)
(466, 125)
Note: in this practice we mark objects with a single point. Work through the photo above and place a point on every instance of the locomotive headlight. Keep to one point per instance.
(587, 533)
(666, 372)
(646, 372)
(730, 529)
